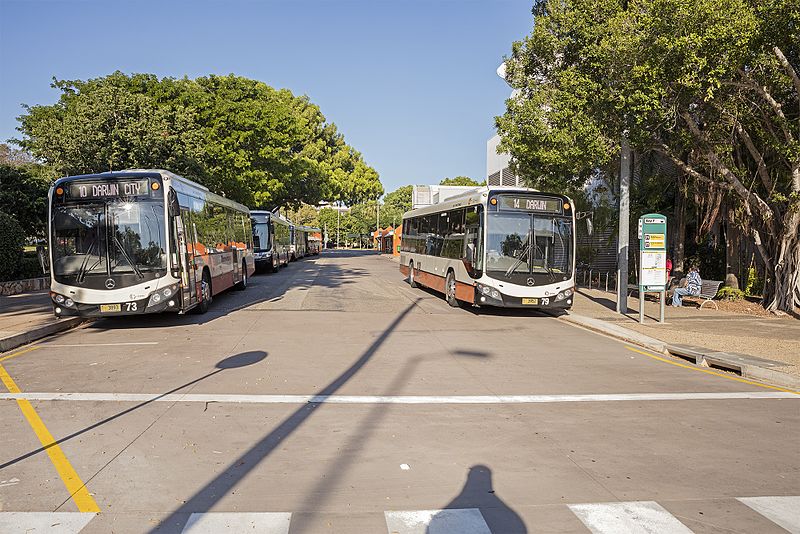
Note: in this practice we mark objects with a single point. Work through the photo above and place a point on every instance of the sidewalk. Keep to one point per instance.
(27, 317)
(770, 337)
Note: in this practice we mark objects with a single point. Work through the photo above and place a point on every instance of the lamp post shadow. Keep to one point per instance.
(478, 493)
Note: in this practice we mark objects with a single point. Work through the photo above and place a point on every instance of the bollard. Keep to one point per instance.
(590, 279)
(606, 281)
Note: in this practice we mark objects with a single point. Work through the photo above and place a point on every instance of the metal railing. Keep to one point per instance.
(596, 279)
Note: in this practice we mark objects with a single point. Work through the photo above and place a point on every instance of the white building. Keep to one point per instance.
(497, 165)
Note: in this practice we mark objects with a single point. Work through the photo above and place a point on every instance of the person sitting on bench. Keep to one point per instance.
(693, 284)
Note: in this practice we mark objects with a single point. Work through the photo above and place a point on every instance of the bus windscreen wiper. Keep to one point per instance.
(83, 270)
(546, 267)
(128, 258)
(525, 253)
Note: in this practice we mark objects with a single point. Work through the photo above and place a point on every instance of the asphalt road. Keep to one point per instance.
(331, 397)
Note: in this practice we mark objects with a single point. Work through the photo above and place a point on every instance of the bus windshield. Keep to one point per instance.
(523, 246)
(261, 236)
(114, 237)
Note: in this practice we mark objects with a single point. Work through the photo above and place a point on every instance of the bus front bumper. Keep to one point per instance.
(68, 307)
(490, 296)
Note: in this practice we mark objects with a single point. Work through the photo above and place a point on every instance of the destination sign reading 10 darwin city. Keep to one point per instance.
(528, 203)
(128, 188)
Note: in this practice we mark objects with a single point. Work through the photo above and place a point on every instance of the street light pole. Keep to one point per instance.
(338, 216)
(623, 238)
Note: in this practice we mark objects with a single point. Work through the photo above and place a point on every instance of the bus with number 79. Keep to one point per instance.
(143, 241)
(494, 246)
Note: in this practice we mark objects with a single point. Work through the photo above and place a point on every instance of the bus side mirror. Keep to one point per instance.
(44, 258)
(174, 207)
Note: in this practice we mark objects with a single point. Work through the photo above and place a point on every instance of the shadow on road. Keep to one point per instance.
(205, 498)
(478, 492)
(261, 288)
(232, 362)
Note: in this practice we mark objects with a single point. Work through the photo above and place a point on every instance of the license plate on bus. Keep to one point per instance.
(530, 301)
(110, 308)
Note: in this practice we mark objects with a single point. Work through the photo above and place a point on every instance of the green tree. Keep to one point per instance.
(23, 196)
(305, 215)
(12, 239)
(712, 87)
(461, 180)
(242, 138)
(399, 199)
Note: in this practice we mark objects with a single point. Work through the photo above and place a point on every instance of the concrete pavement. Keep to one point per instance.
(524, 456)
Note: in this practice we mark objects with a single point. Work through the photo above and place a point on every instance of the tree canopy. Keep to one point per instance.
(461, 180)
(399, 199)
(261, 146)
(711, 87)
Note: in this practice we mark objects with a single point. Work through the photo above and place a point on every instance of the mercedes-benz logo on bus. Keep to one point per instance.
(530, 281)
(110, 283)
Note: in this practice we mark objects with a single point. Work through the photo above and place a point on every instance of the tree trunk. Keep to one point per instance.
(732, 267)
(680, 229)
(782, 291)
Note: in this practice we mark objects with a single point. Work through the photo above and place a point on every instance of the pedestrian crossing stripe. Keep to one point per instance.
(447, 521)
(638, 517)
(41, 522)
(635, 517)
(221, 522)
(783, 511)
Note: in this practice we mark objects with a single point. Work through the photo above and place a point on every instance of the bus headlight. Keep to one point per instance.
(495, 294)
(156, 298)
(486, 290)
(69, 303)
(167, 292)
(567, 292)
(59, 299)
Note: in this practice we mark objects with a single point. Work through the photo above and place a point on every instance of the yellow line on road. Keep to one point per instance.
(18, 353)
(710, 372)
(75, 486)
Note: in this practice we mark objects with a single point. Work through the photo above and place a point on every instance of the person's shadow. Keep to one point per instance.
(460, 515)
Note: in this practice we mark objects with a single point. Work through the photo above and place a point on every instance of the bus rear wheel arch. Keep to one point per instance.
(411, 280)
(241, 285)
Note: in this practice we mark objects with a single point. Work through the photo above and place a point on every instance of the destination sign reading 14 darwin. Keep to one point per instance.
(121, 188)
(529, 203)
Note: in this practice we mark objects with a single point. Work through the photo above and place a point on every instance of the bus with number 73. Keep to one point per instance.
(143, 241)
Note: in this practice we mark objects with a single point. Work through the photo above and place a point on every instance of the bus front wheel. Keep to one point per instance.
(450, 290)
(205, 293)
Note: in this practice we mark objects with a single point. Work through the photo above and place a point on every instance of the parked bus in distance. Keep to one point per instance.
(271, 240)
(302, 242)
(315, 241)
(494, 246)
(143, 241)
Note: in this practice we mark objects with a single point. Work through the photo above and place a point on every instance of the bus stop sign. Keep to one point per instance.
(653, 252)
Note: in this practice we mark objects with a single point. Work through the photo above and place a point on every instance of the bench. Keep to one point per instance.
(708, 290)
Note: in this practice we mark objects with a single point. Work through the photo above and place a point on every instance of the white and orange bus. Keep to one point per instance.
(493, 246)
(143, 241)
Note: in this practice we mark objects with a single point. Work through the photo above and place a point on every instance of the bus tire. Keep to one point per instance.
(242, 284)
(450, 290)
(411, 281)
(205, 289)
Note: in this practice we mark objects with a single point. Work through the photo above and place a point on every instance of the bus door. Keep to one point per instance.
(186, 245)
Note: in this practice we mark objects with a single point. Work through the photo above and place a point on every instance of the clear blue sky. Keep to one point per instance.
(411, 84)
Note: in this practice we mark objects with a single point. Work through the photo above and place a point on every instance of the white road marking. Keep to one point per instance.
(405, 399)
(40, 522)
(784, 511)
(100, 344)
(261, 522)
(638, 517)
(462, 521)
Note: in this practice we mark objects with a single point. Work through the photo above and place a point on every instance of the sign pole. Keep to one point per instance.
(622, 234)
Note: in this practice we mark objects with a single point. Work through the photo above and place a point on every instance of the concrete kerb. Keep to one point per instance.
(747, 366)
(23, 338)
